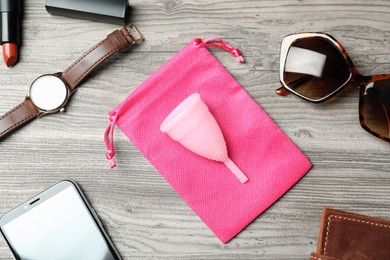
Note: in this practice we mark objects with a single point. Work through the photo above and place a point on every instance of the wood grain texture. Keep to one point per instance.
(145, 218)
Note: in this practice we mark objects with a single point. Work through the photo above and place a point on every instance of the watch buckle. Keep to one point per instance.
(132, 28)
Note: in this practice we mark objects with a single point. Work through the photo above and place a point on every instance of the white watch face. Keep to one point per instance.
(48, 92)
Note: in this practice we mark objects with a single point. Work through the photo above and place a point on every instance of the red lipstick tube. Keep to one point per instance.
(10, 15)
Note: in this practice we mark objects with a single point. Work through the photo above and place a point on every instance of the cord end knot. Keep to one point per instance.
(109, 139)
(110, 157)
(236, 52)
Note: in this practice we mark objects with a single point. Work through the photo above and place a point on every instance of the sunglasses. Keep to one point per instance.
(315, 67)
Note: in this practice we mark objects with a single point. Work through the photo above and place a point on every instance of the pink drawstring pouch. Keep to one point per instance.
(272, 163)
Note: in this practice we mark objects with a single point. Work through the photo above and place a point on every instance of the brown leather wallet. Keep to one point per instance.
(349, 236)
(51, 92)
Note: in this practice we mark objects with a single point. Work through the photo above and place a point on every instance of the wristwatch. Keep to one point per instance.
(50, 93)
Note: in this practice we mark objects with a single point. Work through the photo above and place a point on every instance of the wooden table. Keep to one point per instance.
(144, 216)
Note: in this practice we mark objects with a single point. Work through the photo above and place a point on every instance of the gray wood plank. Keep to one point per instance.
(143, 215)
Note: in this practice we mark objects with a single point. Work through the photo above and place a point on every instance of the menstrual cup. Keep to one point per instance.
(192, 125)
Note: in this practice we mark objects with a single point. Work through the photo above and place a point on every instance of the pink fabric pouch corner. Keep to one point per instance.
(272, 163)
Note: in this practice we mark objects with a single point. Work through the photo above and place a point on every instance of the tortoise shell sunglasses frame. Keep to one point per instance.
(355, 78)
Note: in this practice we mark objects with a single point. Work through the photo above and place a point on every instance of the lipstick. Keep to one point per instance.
(10, 14)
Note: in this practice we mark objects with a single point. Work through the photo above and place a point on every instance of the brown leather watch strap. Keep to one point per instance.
(17, 117)
(115, 42)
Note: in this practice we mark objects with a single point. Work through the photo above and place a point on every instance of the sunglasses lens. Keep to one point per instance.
(315, 68)
(376, 107)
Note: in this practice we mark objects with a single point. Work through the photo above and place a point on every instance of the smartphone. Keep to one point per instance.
(57, 224)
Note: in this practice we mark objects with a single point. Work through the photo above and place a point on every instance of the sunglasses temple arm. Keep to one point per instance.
(282, 91)
(387, 115)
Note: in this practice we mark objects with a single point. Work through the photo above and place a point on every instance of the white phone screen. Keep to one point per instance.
(60, 227)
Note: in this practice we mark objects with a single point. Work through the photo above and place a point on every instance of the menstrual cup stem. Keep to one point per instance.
(235, 170)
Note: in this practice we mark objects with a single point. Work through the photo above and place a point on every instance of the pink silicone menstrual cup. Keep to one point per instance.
(192, 125)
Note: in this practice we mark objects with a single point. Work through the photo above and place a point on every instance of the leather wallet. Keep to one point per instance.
(347, 236)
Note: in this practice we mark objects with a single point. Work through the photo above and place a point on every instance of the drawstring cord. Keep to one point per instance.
(221, 45)
(109, 140)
